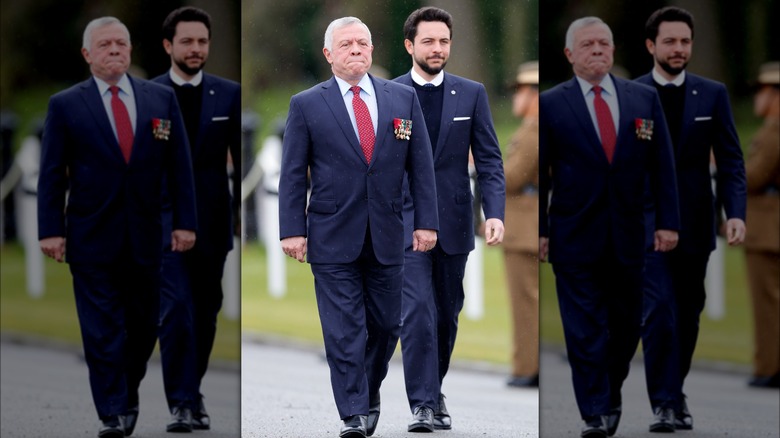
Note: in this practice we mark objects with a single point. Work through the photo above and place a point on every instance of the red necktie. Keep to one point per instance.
(606, 124)
(124, 129)
(364, 124)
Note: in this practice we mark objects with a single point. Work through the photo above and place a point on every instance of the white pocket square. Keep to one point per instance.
(460, 119)
(219, 119)
(701, 119)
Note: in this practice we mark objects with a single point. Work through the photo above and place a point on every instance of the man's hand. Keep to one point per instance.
(295, 247)
(494, 231)
(665, 240)
(182, 240)
(54, 247)
(735, 231)
(544, 247)
(424, 240)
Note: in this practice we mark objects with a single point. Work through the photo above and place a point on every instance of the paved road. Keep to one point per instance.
(286, 393)
(45, 392)
(721, 403)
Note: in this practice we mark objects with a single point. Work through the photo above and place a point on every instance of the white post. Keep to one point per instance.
(474, 282)
(231, 282)
(714, 282)
(270, 159)
(28, 162)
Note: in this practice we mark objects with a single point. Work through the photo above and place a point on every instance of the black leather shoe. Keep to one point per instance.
(354, 427)
(613, 419)
(441, 418)
(112, 427)
(200, 418)
(181, 420)
(663, 420)
(373, 415)
(596, 427)
(131, 418)
(422, 420)
(682, 418)
(765, 381)
(523, 381)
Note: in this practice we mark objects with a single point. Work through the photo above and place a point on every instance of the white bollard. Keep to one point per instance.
(231, 283)
(715, 282)
(474, 281)
(270, 159)
(28, 161)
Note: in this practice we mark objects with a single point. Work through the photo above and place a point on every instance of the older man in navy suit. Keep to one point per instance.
(701, 125)
(600, 139)
(192, 282)
(458, 119)
(355, 137)
(108, 143)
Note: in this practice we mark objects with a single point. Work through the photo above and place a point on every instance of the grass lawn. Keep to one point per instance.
(295, 315)
(53, 316)
(728, 339)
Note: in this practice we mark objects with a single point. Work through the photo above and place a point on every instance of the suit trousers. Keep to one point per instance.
(676, 277)
(118, 310)
(659, 333)
(359, 304)
(601, 308)
(177, 335)
(522, 275)
(763, 269)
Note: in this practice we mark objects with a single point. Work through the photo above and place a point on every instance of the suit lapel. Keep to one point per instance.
(94, 102)
(576, 101)
(211, 93)
(448, 111)
(335, 101)
(143, 119)
(384, 111)
(625, 97)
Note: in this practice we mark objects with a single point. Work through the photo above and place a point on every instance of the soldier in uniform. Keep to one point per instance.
(762, 243)
(521, 239)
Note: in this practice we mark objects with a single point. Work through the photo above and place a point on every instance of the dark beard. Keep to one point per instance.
(433, 71)
(674, 71)
(190, 70)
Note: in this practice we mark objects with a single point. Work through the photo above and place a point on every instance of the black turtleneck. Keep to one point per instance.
(431, 99)
(673, 101)
(190, 101)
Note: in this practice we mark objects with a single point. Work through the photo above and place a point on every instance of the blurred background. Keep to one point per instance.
(731, 41)
(490, 39)
(40, 42)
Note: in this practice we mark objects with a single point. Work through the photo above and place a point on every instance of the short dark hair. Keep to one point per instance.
(428, 13)
(669, 13)
(186, 13)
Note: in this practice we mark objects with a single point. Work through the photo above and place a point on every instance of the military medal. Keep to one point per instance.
(161, 128)
(644, 129)
(402, 128)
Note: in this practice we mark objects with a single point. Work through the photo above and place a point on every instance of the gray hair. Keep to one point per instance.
(339, 23)
(100, 22)
(579, 24)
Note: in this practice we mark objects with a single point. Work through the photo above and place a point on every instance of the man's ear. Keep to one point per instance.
(167, 45)
(409, 46)
(650, 46)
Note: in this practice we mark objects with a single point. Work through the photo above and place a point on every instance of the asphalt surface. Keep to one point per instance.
(286, 393)
(721, 403)
(45, 392)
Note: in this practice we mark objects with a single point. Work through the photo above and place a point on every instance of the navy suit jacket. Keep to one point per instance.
(219, 131)
(707, 126)
(597, 205)
(466, 123)
(348, 194)
(112, 204)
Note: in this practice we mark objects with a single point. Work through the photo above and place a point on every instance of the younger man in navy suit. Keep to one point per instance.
(700, 123)
(458, 119)
(191, 293)
(108, 145)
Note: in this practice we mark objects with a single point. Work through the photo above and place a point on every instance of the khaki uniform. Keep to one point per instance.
(521, 245)
(762, 246)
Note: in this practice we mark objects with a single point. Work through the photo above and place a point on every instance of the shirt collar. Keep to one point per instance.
(123, 84)
(606, 84)
(178, 80)
(364, 83)
(419, 80)
(660, 80)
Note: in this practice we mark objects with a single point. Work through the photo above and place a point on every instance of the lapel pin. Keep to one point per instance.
(211, 92)
(453, 91)
(695, 92)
